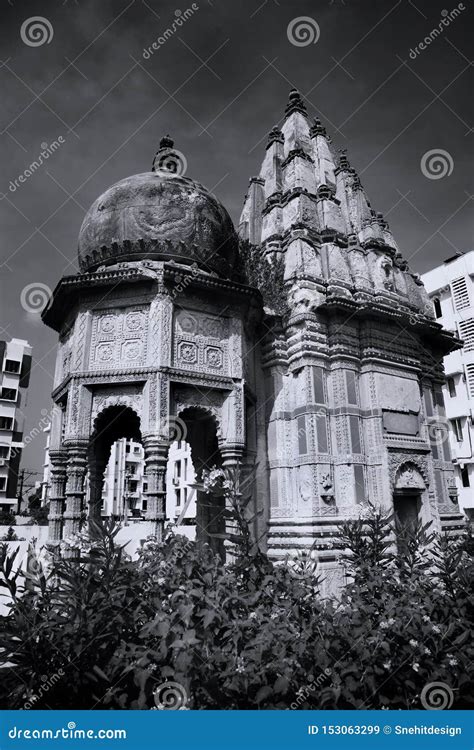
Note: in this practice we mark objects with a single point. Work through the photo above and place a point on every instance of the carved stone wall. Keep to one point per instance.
(119, 338)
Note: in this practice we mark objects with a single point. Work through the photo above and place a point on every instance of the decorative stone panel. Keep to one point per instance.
(201, 342)
(119, 339)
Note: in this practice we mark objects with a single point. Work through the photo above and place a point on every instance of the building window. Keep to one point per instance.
(127, 448)
(11, 365)
(355, 434)
(470, 379)
(4, 451)
(466, 332)
(437, 307)
(136, 449)
(457, 429)
(351, 387)
(178, 497)
(460, 293)
(451, 387)
(3, 483)
(465, 476)
(9, 394)
(185, 495)
(185, 472)
(6, 423)
(177, 470)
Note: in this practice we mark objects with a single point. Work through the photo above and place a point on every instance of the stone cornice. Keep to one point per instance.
(70, 288)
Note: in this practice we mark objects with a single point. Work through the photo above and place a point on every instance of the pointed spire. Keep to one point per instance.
(317, 128)
(295, 104)
(275, 136)
(343, 160)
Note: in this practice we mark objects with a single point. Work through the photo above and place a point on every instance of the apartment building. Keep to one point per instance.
(15, 361)
(451, 290)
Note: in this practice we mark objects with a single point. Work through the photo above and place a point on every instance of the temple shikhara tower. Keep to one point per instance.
(327, 405)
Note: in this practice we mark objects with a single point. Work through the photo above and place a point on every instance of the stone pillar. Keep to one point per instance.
(156, 457)
(76, 474)
(58, 461)
(232, 459)
(97, 467)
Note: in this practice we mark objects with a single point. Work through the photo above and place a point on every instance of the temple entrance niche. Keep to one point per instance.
(112, 424)
(408, 498)
(200, 430)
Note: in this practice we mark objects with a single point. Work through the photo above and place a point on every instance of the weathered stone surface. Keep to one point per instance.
(174, 217)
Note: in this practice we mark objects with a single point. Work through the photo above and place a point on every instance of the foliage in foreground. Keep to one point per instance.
(102, 631)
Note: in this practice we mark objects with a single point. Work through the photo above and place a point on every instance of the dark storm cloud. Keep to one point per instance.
(218, 85)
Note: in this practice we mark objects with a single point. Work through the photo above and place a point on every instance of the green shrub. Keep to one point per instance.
(246, 635)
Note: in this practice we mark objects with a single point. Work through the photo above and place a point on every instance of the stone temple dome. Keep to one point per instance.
(158, 215)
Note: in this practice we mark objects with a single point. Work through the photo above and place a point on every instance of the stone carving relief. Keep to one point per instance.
(405, 467)
(201, 342)
(119, 395)
(118, 339)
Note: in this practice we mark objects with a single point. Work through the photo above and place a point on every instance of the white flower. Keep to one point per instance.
(425, 618)
(412, 642)
(416, 666)
(426, 650)
(452, 662)
(387, 665)
(383, 625)
(436, 629)
(252, 615)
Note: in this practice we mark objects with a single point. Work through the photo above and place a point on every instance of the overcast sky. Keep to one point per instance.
(218, 85)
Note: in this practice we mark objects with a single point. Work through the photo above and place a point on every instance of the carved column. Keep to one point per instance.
(58, 461)
(156, 457)
(97, 465)
(232, 459)
(76, 474)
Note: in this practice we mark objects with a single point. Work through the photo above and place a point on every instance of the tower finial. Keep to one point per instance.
(295, 103)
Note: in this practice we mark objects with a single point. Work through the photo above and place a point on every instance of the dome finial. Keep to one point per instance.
(166, 160)
(166, 142)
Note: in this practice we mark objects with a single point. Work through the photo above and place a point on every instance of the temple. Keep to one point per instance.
(325, 402)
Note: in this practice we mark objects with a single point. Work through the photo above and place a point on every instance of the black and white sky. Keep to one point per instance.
(218, 85)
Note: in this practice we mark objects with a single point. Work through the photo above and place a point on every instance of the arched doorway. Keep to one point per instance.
(200, 430)
(112, 424)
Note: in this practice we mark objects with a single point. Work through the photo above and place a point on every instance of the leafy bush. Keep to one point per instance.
(249, 634)
(7, 518)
